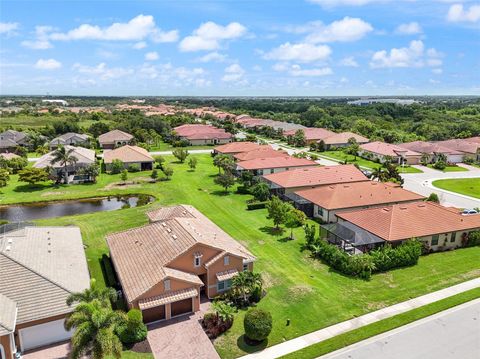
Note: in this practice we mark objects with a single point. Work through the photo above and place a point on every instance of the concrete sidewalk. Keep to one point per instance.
(318, 336)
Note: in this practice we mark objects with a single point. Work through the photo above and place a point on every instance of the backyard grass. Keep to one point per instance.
(450, 169)
(382, 326)
(298, 287)
(467, 186)
(164, 146)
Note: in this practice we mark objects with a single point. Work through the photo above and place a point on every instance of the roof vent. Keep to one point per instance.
(169, 230)
(164, 224)
(7, 248)
(421, 205)
(174, 236)
(403, 207)
(9, 241)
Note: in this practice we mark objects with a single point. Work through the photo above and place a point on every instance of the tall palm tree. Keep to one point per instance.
(95, 330)
(245, 283)
(64, 157)
(95, 292)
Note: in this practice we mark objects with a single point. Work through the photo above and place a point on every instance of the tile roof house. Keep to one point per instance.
(470, 147)
(9, 156)
(234, 148)
(199, 134)
(433, 150)
(326, 201)
(439, 227)
(70, 138)
(264, 166)
(312, 134)
(291, 181)
(7, 145)
(382, 151)
(10, 139)
(40, 268)
(114, 138)
(129, 155)
(164, 266)
(341, 139)
(85, 157)
(265, 151)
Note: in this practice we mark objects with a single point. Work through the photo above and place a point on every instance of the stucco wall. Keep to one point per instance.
(219, 266)
(5, 342)
(185, 262)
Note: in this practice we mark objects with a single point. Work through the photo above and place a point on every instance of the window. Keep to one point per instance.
(435, 240)
(221, 286)
(320, 211)
(245, 267)
(197, 260)
(226, 260)
(452, 236)
(166, 284)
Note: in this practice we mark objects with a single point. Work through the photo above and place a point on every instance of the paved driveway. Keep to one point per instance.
(181, 338)
(56, 351)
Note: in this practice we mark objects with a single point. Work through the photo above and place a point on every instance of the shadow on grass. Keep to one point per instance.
(285, 239)
(34, 188)
(241, 343)
(272, 231)
(221, 193)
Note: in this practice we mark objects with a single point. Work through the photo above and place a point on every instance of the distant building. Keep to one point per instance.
(10, 139)
(236, 148)
(129, 155)
(396, 101)
(382, 152)
(312, 134)
(434, 150)
(56, 102)
(470, 147)
(114, 138)
(70, 138)
(264, 166)
(198, 134)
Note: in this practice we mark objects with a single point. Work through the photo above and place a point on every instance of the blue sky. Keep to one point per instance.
(242, 48)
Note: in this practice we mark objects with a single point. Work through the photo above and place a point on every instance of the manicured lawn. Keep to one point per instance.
(341, 156)
(467, 186)
(409, 169)
(450, 169)
(163, 146)
(382, 326)
(298, 288)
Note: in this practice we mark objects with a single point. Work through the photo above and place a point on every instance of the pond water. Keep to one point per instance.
(30, 211)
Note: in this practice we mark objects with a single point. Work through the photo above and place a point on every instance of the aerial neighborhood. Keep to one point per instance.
(193, 215)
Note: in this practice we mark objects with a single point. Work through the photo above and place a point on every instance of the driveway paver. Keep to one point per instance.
(182, 338)
(56, 351)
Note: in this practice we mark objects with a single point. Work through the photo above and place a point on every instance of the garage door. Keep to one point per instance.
(153, 314)
(43, 334)
(181, 307)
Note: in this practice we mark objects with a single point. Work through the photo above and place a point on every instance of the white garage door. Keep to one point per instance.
(43, 334)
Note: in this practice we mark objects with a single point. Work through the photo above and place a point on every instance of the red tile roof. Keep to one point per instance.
(275, 162)
(127, 154)
(466, 145)
(200, 132)
(312, 133)
(429, 148)
(262, 152)
(387, 149)
(343, 137)
(317, 176)
(411, 220)
(358, 194)
(237, 147)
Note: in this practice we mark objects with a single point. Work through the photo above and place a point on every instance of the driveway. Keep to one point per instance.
(56, 351)
(422, 183)
(452, 334)
(182, 338)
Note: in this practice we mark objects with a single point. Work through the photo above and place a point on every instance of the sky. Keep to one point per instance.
(240, 47)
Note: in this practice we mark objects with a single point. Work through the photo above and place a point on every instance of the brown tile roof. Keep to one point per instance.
(229, 274)
(84, 157)
(467, 145)
(343, 137)
(275, 162)
(128, 154)
(410, 220)
(358, 194)
(200, 132)
(263, 152)
(169, 297)
(237, 147)
(387, 149)
(312, 133)
(113, 136)
(429, 148)
(141, 255)
(317, 176)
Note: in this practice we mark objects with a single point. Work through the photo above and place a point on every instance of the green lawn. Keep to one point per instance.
(382, 326)
(450, 169)
(163, 146)
(342, 156)
(467, 186)
(298, 288)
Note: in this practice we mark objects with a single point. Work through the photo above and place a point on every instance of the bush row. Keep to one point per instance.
(256, 205)
(387, 257)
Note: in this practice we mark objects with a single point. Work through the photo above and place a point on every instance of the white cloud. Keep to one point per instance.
(209, 36)
(349, 62)
(343, 80)
(48, 64)
(412, 56)
(296, 70)
(410, 28)
(301, 52)
(102, 72)
(233, 72)
(212, 57)
(280, 66)
(41, 39)
(8, 27)
(138, 28)
(457, 13)
(168, 75)
(345, 30)
(151, 56)
(437, 71)
(139, 45)
(332, 3)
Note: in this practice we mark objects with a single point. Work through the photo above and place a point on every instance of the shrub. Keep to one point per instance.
(134, 168)
(154, 174)
(406, 254)
(134, 330)
(433, 198)
(116, 167)
(243, 190)
(439, 165)
(257, 324)
(473, 239)
(256, 205)
(109, 273)
(261, 191)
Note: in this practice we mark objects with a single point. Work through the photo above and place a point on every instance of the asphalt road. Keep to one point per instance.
(452, 334)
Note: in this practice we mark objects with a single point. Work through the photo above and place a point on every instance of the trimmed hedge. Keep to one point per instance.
(256, 205)
(110, 276)
(134, 330)
(404, 255)
(257, 324)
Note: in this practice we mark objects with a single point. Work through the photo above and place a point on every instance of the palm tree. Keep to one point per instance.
(377, 173)
(95, 330)
(95, 292)
(223, 311)
(245, 283)
(64, 157)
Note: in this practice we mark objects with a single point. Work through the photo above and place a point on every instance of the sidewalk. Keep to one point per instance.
(318, 336)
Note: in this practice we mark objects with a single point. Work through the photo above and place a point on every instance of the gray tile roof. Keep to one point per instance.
(40, 267)
(8, 313)
(84, 156)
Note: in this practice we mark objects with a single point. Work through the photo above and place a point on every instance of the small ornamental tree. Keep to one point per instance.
(433, 198)
(4, 177)
(277, 211)
(192, 163)
(92, 171)
(134, 330)
(352, 148)
(261, 191)
(224, 162)
(226, 180)
(154, 174)
(181, 154)
(159, 160)
(294, 218)
(124, 176)
(299, 139)
(33, 175)
(116, 167)
(168, 172)
(257, 324)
